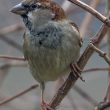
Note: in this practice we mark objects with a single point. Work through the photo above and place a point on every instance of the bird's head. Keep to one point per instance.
(39, 11)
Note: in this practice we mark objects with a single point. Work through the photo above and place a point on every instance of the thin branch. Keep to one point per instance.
(71, 101)
(92, 11)
(103, 106)
(4, 70)
(88, 18)
(107, 97)
(85, 95)
(10, 42)
(96, 69)
(14, 63)
(12, 57)
(18, 95)
(101, 53)
(11, 29)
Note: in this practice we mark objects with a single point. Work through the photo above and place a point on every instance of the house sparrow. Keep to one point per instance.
(51, 41)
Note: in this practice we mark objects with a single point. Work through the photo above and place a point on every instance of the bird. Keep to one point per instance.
(51, 41)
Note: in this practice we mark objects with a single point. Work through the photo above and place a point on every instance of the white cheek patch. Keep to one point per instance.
(36, 10)
(30, 15)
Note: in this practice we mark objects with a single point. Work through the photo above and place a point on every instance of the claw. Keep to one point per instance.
(45, 106)
(77, 71)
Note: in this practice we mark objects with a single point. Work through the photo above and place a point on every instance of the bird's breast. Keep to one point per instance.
(50, 52)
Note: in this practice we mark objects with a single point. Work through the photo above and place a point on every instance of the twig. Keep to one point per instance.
(85, 95)
(101, 53)
(108, 44)
(92, 11)
(102, 106)
(4, 70)
(10, 42)
(88, 18)
(71, 101)
(11, 29)
(18, 95)
(14, 64)
(64, 89)
(96, 69)
(12, 57)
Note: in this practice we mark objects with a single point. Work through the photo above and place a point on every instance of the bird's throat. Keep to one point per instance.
(27, 23)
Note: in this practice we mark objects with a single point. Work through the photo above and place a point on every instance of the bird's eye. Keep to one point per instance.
(25, 5)
(33, 6)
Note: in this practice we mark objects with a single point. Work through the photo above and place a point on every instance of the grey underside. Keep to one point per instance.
(50, 50)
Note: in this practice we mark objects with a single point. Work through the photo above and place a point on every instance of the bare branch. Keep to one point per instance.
(103, 106)
(101, 53)
(92, 11)
(11, 29)
(18, 95)
(10, 42)
(107, 97)
(85, 95)
(88, 18)
(14, 63)
(12, 57)
(96, 69)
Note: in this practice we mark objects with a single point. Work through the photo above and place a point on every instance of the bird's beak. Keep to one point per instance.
(19, 9)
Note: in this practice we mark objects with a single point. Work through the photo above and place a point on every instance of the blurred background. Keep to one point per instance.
(15, 75)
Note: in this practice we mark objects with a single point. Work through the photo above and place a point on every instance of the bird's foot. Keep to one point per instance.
(45, 106)
(77, 71)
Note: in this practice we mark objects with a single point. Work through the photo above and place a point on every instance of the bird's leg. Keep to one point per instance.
(77, 71)
(42, 92)
(44, 106)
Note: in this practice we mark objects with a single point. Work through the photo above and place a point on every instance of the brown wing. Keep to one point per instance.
(80, 39)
